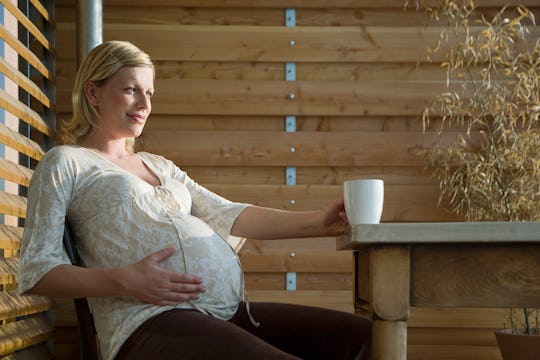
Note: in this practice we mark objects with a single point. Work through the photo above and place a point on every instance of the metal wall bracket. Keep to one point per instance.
(290, 17)
(290, 71)
(290, 175)
(291, 281)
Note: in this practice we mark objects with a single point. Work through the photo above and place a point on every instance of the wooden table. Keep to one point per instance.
(396, 266)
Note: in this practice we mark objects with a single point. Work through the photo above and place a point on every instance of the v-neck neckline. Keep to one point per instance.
(148, 165)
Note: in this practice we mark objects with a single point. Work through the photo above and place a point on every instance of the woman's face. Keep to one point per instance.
(123, 102)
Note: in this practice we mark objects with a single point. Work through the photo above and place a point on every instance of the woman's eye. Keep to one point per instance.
(130, 90)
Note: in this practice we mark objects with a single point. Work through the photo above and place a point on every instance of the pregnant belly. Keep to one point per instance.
(204, 253)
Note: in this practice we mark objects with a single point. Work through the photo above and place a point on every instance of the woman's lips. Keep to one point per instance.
(137, 118)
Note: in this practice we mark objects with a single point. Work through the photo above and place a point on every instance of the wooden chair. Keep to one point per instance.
(87, 331)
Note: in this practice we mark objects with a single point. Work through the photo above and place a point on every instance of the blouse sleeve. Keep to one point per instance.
(49, 195)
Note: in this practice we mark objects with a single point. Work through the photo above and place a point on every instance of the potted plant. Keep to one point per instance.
(493, 96)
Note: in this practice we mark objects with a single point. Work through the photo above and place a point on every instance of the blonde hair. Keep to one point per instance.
(100, 64)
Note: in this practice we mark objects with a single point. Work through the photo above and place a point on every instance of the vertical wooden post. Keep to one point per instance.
(389, 297)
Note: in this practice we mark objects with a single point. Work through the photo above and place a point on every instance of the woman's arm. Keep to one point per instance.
(144, 280)
(265, 223)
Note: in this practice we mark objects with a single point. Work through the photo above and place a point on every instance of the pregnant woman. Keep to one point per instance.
(161, 278)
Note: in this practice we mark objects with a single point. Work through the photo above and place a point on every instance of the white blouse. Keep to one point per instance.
(119, 219)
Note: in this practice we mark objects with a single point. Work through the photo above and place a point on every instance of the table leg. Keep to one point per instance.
(389, 298)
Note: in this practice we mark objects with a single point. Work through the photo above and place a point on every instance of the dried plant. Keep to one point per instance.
(493, 95)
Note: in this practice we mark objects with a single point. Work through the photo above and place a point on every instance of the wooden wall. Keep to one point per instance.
(219, 113)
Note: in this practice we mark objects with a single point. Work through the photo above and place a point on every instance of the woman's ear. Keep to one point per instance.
(90, 90)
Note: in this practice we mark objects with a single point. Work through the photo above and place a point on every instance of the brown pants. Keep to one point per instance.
(286, 332)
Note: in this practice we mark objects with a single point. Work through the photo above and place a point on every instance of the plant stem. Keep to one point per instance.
(527, 325)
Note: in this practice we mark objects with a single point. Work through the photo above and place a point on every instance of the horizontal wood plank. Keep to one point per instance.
(13, 305)
(451, 336)
(24, 333)
(291, 149)
(14, 172)
(10, 237)
(11, 204)
(276, 71)
(24, 113)
(24, 82)
(403, 203)
(304, 281)
(43, 11)
(291, 3)
(8, 270)
(311, 98)
(340, 300)
(268, 43)
(450, 352)
(469, 317)
(339, 262)
(414, 175)
(20, 143)
(26, 53)
(27, 24)
(439, 270)
(38, 352)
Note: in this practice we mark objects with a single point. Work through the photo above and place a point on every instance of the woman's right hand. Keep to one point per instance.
(149, 282)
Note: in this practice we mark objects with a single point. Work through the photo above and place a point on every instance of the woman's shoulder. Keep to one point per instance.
(62, 153)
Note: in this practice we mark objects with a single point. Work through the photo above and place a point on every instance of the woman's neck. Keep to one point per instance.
(113, 148)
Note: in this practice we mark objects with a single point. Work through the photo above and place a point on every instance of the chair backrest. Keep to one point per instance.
(87, 330)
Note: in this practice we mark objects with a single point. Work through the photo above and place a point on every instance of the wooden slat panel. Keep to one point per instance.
(275, 148)
(262, 16)
(343, 98)
(14, 305)
(18, 335)
(14, 172)
(286, 246)
(441, 270)
(333, 299)
(11, 204)
(402, 202)
(24, 21)
(20, 143)
(276, 71)
(451, 336)
(303, 123)
(22, 81)
(301, 262)
(41, 9)
(23, 112)
(291, 3)
(8, 270)
(10, 237)
(340, 98)
(269, 43)
(309, 175)
(25, 52)
(449, 352)
(304, 281)
(39, 352)
(474, 318)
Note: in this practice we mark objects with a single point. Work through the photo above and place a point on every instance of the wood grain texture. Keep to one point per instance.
(466, 275)
(269, 43)
(390, 283)
(291, 149)
(289, 3)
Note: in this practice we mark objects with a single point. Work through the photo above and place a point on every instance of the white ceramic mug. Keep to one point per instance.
(364, 200)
